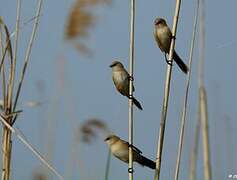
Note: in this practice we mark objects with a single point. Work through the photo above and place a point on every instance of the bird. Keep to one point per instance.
(120, 78)
(119, 149)
(163, 37)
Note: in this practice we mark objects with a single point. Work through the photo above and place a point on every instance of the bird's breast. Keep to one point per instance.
(119, 76)
(121, 81)
(164, 38)
(120, 152)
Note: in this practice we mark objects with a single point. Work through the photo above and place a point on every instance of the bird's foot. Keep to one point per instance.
(131, 78)
(130, 170)
(169, 62)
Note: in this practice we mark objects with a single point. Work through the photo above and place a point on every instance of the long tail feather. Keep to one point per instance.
(136, 102)
(146, 162)
(180, 63)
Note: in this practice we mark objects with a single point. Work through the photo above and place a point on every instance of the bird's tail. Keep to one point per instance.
(146, 162)
(180, 63)
(136, 102)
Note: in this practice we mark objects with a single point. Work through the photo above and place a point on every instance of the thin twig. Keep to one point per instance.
(166, 94)
(30, 147)
(185, 102)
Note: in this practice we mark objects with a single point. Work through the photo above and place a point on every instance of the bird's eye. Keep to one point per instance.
(107, 138)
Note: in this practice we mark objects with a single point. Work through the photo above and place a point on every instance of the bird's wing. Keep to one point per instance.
(128, 80)
(134, 148)
(157, 40)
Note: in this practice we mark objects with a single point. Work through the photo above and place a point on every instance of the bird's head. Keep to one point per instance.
(111, 139)
(116, 64)
(160, 22)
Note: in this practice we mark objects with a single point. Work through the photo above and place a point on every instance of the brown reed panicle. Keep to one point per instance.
(88, 131)
(81, 19)
(39, 175)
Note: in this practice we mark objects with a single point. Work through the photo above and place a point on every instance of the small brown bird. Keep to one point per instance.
(119, 149)
(163, 37)
(121, 81)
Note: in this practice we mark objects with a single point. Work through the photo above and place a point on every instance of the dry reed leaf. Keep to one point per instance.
(81, 19)
(8, 39)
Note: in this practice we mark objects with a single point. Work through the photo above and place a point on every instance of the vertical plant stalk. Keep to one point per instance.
(13, 63)
(185, 103)
(166, 94)
(107, 165)
(27, 57)
(194, 152)
(203, 98)
(8, 108)
(205, 134)
(130, 106)
(6, 141)
(2, 68)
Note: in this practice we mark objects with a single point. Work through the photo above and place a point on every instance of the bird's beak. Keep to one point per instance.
(111, 65)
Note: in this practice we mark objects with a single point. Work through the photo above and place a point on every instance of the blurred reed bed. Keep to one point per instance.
(203, 98)
(202, 124)
(81, 19)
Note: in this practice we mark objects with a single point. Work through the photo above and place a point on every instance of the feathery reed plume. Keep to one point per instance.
(88, 130)
(87, 133)
(185, 102)
(166, 94)
(81, 19)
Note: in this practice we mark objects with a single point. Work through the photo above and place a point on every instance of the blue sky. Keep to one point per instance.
(78, 87)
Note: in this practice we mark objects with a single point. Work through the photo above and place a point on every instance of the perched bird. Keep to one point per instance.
(121, 81)
(119, 149)
(163, 37)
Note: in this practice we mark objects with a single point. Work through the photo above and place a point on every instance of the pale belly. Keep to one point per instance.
(122, 155)
(164, 39)
(121, 82)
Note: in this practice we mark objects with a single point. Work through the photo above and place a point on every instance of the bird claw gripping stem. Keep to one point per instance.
(130, 170)
(169, 62)
(131, 78)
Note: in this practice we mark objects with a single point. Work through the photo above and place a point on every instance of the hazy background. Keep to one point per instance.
(74, 88)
